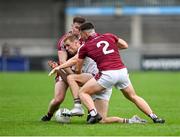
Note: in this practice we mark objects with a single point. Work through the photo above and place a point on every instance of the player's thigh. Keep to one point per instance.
(128, 91)
(80, 78)
(84, 77)
(63, 75)
(91, 87)
(60, 89)
(102, 107)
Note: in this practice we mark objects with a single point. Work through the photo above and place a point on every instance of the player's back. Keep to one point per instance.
(104, 51)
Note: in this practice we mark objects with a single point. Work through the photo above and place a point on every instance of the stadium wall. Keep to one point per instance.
(148, 31)
(31, 28)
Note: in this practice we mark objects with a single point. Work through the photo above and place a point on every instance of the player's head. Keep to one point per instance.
(77, 21)
(86, 30)
(72, 44)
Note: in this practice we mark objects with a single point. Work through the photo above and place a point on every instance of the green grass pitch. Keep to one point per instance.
(24, 98)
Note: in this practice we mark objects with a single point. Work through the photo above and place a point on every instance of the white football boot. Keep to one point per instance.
(77, 110)
(136, 119)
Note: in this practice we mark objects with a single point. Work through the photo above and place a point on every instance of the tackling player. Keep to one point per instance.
(104, 50)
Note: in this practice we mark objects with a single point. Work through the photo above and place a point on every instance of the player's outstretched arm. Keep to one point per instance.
(79, 65)
(54, 71)
(72, 61)
(67, 64)
(122, 44)
(62, 59)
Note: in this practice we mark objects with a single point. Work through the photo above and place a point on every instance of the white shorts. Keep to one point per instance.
(104, 95)
(118, 78)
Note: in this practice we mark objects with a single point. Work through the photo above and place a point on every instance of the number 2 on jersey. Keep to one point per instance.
(106, 45)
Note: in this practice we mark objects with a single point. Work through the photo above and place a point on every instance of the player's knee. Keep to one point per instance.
(80, 95)
(103, 120)
(58, 100)
(70, 78)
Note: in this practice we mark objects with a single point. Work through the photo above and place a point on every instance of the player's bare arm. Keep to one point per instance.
(122, 44)
(79, 65)
(62, 55)
(71, 62)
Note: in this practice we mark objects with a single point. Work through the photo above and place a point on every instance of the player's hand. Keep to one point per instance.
(53, 71)
(52, 64)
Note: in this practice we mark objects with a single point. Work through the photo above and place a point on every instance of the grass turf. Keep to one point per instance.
(24, 98)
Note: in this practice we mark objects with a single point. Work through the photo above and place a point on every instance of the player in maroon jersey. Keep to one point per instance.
(61, 84)
(103, 49)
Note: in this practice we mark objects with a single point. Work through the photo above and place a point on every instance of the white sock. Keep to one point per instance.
(93, 112)
(153, 116)
(125, 120)
(77, 105)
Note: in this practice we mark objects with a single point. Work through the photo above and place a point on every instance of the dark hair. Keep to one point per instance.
(79, 19)
(86, 26)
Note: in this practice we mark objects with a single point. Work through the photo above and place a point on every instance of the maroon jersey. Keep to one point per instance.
(103, 50)
(60, 44)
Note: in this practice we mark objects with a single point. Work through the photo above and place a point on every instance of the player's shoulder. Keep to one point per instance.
(111, 36)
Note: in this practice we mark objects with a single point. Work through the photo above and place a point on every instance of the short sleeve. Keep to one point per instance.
(82, 52)
(60, 45)
(112, 36)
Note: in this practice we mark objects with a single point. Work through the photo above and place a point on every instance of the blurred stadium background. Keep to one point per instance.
(29, 30)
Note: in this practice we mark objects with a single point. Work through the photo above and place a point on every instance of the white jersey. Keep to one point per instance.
(90, 66)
